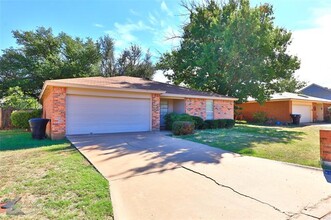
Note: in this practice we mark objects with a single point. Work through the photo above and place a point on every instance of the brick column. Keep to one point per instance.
(196, 107)
(155, 112)
(325, 145)
(58, 113)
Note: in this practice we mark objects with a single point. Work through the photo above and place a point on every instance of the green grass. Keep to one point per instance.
(53, 179)
(298, 145)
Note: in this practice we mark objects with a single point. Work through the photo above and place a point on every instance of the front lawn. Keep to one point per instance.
(298, 145)
(53, 180)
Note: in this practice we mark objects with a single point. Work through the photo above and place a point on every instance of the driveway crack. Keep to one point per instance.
(237, 192)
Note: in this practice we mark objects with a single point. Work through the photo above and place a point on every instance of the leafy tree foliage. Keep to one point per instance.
(18, 100)
(132, 62)
(232, 49)
(42, 56)
(106, 48)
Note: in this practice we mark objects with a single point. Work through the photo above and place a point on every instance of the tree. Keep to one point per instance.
(42, 56)
(106, 48)
(132, 62)
(18, 100)
(232, 49)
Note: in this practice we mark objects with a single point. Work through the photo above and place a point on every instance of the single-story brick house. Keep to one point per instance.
(122, 104)
(281, 105)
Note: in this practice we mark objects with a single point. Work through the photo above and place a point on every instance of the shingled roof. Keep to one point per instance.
(285, 96)
(127, 83)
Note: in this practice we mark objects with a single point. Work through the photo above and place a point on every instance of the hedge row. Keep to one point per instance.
(198, 122)
(20, 119)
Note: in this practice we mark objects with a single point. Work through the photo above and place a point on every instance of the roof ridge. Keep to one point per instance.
(314, 84)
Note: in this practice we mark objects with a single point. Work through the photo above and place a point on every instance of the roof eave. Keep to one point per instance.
(291, 99)
(62, 84)
(170, 95)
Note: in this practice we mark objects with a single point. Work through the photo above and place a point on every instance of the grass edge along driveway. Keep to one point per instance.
(52, 178)
(299, 145)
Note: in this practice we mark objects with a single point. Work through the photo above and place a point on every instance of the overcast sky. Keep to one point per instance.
(150, 22)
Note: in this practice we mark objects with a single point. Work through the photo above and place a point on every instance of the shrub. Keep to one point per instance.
(211, 124)
(20, 119)
(205, 125)
(221, 123)
(198, 122)
(229, 123)
(183, 127)
(260, 117)
(172, 117)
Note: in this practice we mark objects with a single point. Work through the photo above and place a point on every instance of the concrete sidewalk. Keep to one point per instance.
(154, 176)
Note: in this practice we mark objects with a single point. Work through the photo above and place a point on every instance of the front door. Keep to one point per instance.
(163, 111)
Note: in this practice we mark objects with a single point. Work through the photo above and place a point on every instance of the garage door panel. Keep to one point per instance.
(304, 110)
(87, 115)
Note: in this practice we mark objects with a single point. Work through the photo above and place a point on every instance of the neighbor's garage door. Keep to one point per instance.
(304, 110)
(86, 115)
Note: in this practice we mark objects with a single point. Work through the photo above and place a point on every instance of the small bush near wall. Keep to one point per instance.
(172, 117)
(260, 117)
(183, 127)
(211, 124)
(20, 119)
(198, 122)
(221, 123)
(230, 123)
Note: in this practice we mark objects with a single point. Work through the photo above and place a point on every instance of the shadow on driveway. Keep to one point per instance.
(144, 153)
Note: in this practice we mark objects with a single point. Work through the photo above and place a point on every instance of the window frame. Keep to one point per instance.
(210, 112)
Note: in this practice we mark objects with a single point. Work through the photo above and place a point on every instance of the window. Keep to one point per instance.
(209, 110)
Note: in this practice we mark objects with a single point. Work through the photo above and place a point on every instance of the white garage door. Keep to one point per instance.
(304, 110)
(86, 115)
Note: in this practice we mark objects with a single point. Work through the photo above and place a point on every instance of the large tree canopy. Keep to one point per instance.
(232, 49)
(41, 56)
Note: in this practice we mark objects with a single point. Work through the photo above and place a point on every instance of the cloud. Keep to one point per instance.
(313, 47)
(98, 25)
(125, 34)
(167, 38)
(165, 8)
(160, 77)
(152, 19)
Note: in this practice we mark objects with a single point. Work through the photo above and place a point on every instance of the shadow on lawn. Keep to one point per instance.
(241, 139)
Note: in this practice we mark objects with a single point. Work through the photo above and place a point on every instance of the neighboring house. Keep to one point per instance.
(122, 104)
(317, 91)
(281, 105)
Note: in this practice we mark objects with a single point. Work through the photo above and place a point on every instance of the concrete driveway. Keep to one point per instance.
(154, 176)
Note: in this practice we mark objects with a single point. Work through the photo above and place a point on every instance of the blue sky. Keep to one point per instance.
(149, 22)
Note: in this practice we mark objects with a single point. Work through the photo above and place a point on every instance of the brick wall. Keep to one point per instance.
(277, 110)
(315, 117)
(54, 108)
(155, 112)
(327, 115)
(223, 109)
(325, 145)
(196, 107)
(48, 108)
